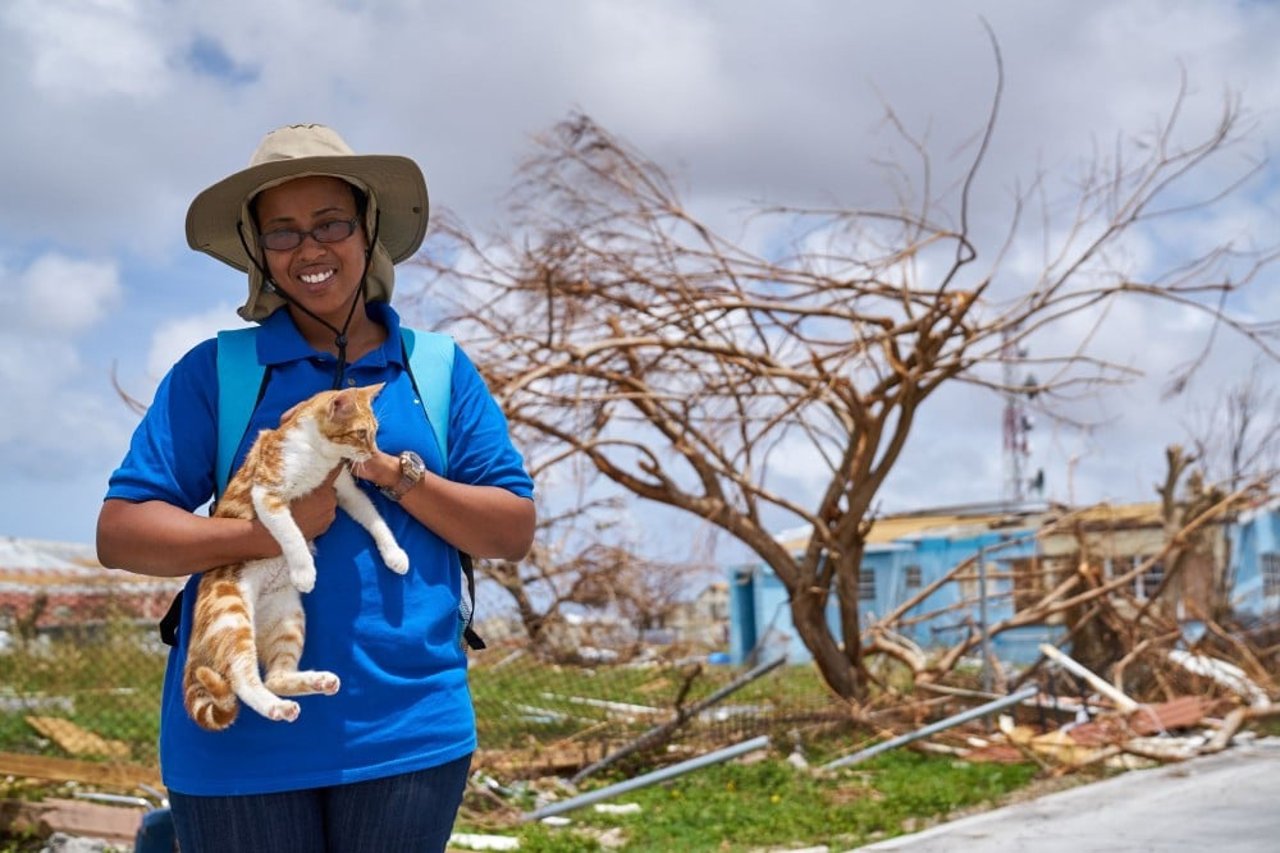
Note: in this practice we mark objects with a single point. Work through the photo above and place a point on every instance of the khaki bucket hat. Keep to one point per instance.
(219, 217)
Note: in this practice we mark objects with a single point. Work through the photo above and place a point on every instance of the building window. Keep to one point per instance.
(1117, 566)
(1270, 572)
(915, 578)
(867, 584)
(1148, 583)
(1144, 585)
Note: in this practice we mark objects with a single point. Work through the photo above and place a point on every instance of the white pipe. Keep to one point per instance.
(649, 778)
(932, 728)
(1123, 702)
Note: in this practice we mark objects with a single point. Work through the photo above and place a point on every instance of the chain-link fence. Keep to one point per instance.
(538, 716)
(81, 668)
(81, 662)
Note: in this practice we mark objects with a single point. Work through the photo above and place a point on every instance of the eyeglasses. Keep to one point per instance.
(284, 239)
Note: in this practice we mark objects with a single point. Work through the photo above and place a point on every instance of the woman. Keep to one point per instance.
(381, 765)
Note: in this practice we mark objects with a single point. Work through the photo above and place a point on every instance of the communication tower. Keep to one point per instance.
(1017, 422)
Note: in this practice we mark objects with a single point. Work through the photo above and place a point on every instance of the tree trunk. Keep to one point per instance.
(839, 669)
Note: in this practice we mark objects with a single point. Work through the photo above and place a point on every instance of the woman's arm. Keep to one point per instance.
(483, 521)
(157, 538)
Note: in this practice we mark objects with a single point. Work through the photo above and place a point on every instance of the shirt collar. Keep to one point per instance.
(279, 340)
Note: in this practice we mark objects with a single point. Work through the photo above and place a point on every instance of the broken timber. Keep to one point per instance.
(112, 774)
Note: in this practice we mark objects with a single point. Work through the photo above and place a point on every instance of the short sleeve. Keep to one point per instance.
(481, 452)
(172, 452)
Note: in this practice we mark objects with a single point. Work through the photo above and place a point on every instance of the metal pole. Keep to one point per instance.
(982, 617)
(648, 778)
(933, 728)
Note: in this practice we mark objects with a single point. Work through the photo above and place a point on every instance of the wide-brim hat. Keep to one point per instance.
(219, 222)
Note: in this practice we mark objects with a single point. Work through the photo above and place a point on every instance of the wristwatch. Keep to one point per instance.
(411, 470)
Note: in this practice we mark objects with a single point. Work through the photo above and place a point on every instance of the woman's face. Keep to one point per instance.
(322, 276)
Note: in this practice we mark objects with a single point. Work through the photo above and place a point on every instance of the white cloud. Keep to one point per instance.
(44, 311)
(175, 337)
(91, 48)
(65, 295)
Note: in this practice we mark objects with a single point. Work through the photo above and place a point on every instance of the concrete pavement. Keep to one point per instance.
(1224, 803)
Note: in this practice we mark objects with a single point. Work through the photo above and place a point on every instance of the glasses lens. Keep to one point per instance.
(282, 240)
(332, 232)
(329, 232)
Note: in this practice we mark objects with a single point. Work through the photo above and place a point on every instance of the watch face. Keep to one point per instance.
(412, 464)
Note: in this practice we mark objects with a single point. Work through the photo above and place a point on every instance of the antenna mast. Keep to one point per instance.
(1017, 422)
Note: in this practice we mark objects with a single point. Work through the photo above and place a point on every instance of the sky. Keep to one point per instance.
(118, 112)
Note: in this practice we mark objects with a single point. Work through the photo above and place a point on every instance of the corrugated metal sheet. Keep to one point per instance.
(21, 555)
(29, 565)
(957, 523)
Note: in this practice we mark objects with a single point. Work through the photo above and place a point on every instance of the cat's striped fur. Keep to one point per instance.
(250, 614)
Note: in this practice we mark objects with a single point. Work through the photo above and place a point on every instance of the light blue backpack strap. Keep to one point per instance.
(239, 380)
(430, 357)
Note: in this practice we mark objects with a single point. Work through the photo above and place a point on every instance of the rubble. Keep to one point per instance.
(1112, 728)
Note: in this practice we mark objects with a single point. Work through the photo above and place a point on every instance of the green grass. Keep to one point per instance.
(1265, 726)
(739, 807)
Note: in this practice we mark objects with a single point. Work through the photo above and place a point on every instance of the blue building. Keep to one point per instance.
(1254, 538)
(1011, 563)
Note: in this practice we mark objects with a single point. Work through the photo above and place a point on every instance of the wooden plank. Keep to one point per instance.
(77, 740)
(114, 774)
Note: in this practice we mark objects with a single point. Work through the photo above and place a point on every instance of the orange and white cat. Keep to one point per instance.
(250, 614)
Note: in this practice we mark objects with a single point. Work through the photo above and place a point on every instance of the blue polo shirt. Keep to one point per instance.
(404, 703)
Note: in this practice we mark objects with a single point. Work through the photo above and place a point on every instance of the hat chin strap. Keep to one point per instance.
(339, 335)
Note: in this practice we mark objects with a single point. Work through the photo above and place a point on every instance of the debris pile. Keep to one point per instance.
(1106, 726)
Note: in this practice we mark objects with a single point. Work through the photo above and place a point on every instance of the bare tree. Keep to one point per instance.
(568, 573)
(693, 371)
(586, 560)
(1237, 437)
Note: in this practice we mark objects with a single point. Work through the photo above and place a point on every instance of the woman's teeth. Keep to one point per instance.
(317, 278)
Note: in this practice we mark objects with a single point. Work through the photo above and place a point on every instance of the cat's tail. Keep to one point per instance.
(209, 699)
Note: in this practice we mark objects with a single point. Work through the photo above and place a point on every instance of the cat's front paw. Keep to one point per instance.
(396, 559)
(303, 578)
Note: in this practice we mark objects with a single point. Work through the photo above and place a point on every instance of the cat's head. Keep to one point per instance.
(345, 418)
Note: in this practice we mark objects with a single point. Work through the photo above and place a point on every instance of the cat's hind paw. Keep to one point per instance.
(326, 683)
(283, 711)
(396, 559)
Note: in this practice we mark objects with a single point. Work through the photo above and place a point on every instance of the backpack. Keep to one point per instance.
(241, 383)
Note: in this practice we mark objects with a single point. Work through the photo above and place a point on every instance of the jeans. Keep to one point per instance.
(413, 813)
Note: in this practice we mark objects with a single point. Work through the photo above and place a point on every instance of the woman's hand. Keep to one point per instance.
(381, 469)
(315, 511)
(483, 521)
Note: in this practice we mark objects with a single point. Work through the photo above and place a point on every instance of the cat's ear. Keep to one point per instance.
(292, 410)
(341, 403)
(371, 391)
